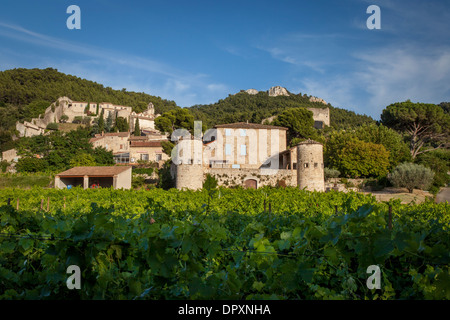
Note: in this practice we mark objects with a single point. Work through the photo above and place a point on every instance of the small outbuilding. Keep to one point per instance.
(118, 177)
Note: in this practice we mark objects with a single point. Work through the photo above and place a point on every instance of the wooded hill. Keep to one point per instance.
(26, 93)
(255, 108)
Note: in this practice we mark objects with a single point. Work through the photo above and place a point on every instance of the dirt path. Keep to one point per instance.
(418, 196)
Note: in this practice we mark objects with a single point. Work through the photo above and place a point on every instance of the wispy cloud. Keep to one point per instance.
(122, 69)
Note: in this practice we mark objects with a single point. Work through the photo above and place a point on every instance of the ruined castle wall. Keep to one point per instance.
(321, 114)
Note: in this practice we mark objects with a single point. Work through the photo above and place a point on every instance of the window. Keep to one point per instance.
(235, 166)
(306, 165)
(316, 165)
(243, 150)
(158, 157)
(144, 157)
(243, 132)
(228, 149)
(228, 132)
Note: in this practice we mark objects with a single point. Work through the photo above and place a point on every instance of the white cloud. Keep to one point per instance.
(119, 70)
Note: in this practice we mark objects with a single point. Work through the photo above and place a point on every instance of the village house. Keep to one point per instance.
(250, 155)
(128, 149)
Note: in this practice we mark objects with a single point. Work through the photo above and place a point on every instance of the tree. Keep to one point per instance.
(103, 156)
(121, 125)
(439, 162)
(426, 125)
(137, 129)
(353, 157)
(363, 159)
(167, 147)
(165, 181)
(410, 176)
(64, 118)
(101, 121)
(389, 138)
(300, 124)
(31, 164)
(175, 119)
(82, 159)
(109, 122)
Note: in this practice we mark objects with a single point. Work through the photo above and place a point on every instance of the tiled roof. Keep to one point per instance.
(244, 125)
(145, 144)
(138, 138)
(93, 171)
(117, 134)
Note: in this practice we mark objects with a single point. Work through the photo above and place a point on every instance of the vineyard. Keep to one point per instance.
(270, 243)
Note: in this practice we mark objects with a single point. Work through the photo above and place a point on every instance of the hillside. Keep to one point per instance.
(26, 93)
(257, 107)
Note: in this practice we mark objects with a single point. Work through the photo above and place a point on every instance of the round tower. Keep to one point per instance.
(187, 158)
(310, 172)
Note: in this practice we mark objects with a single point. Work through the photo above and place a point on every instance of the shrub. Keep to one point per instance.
(409, 175)
(64, 118)
(4, 165)
(137, 181)
(439, 162)
(147, 171)
(52, 126)
(331, 173)
(31, 164)
(77, 119)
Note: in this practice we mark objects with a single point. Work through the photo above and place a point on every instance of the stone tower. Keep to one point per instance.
(188, 161)
(310, 168)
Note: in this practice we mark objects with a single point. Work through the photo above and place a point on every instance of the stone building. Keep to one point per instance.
(73, 109)
(249, 155)
(93, 177)
(128, 149)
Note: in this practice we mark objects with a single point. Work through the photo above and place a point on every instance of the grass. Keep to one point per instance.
(25, 181)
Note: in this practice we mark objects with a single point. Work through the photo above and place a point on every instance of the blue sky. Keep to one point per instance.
(197, 52)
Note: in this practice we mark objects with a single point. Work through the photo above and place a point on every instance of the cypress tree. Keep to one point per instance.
(101, 122)
(137, 130)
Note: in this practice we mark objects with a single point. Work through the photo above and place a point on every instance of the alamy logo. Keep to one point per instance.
(74, 281)
(74, 21)
(373, 282)
(374, 21)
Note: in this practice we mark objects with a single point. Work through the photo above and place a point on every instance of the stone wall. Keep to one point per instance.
(264, 177)
(10, 155)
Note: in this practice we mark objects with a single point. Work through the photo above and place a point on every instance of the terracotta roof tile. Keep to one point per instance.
(145, 144)
(94, 171)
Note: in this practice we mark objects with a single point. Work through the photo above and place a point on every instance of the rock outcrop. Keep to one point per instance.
(278, 91)
(316, 99)
(252, 91)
